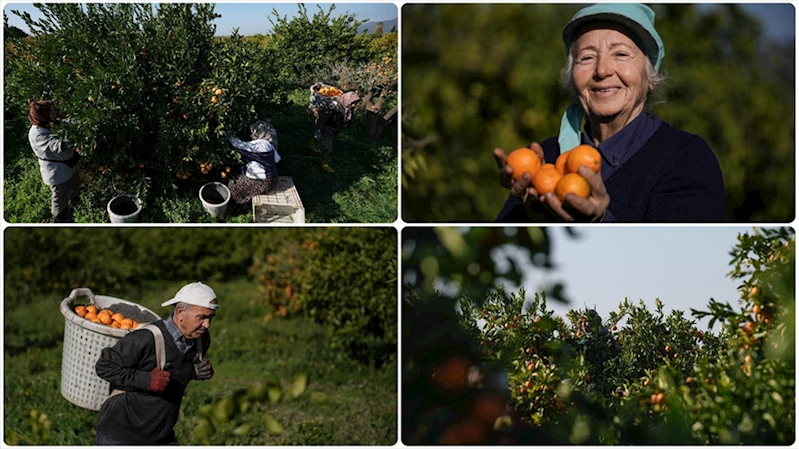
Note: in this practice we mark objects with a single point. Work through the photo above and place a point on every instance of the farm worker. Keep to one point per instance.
(259, 172)
(650, 171)
(330, 120)
(587, 329)
(57, 159)
(148, 408)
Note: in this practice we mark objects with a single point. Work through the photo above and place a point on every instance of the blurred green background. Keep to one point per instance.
(478, 76)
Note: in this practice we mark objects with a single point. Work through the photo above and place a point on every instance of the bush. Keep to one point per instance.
(306, 43)
(151, 91)
(342, 277)
(352, 285)
(566, 382)
(109, 260)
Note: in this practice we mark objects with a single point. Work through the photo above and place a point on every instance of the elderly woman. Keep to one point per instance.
(650, 171)
(57, 159)
(259, 173)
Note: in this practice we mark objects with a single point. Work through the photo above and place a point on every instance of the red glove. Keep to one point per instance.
(159, 379)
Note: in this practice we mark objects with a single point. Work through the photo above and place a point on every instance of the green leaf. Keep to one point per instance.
(274, 394)
(271, 425)
(242, 430)
(317, 397)
(257, 391)
(298, 385)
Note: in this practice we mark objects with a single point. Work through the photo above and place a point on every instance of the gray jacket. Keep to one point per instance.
(46, 146)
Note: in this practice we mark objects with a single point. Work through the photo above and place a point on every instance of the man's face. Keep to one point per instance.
(194, 321)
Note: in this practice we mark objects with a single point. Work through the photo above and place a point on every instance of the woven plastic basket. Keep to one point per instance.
(83, 342)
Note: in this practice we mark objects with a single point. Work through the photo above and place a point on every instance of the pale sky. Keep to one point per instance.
(683, 266)
(251, 18)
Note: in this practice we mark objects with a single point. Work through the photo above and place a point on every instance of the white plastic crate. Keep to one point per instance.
(281, 205)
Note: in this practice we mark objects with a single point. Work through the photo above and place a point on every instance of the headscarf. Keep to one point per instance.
(348, 100)
(636, 17)
(41, 112)
(264, 130)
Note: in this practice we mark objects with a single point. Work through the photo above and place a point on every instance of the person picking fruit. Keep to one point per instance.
(635, 166)
(57, 158)
(145, 400)
(331, 118)
(259, 173)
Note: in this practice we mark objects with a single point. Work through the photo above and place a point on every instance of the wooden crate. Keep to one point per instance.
(281, 205)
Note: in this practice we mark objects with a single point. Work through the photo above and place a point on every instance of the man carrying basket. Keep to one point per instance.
(145, 398)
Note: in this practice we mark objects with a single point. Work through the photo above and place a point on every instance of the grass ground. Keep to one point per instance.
(363, 188)
(360, 406)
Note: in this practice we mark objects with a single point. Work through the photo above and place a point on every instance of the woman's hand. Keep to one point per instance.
(575, 208)
(523, 187)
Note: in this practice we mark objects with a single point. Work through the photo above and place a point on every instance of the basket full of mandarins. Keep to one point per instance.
(89, 329)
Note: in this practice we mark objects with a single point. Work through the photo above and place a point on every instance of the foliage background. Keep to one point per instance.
(471, 84)
(500, 368)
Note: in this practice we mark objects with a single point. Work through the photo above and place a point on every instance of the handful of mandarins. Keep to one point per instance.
(560, 178)
(106, 316)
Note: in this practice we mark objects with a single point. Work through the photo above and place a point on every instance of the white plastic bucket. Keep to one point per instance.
(124, 209)
(215, 197)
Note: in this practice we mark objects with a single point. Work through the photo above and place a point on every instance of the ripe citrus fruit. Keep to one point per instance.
(90, 316)
(572, 183)
(124, 326)
(214, 99)
(104, 312)
(453, 373)
(560, 162)
(92, 309)
(134, 324)
(488, 408)
(105, 318)
(115, 325)
(218, 92)
(523, 160)
(583, 155)
(117, 317)
(126, 321)
(81, 311)
(546, 179)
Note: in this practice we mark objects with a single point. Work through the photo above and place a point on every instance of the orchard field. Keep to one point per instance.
(496, 369)
(304, 352)
(151, 94)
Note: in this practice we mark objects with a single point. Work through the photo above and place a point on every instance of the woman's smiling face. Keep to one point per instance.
(609, 74)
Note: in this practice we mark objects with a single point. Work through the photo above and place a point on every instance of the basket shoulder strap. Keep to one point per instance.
(160, 351)
(160, 348)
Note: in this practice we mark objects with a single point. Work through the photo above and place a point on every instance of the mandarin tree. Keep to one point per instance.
(137, 82)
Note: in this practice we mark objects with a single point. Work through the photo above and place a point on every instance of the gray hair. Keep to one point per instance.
(182, 305)
(567, 80)
(264, 130)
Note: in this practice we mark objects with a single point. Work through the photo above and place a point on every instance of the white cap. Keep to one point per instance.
(197, 294)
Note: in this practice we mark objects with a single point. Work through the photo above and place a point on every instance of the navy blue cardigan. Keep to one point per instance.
(674, 177)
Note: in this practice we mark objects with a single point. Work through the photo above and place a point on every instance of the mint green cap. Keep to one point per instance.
(636, 17)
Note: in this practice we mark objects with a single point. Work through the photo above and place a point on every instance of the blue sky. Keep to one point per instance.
(683, 266)
(253, 18)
